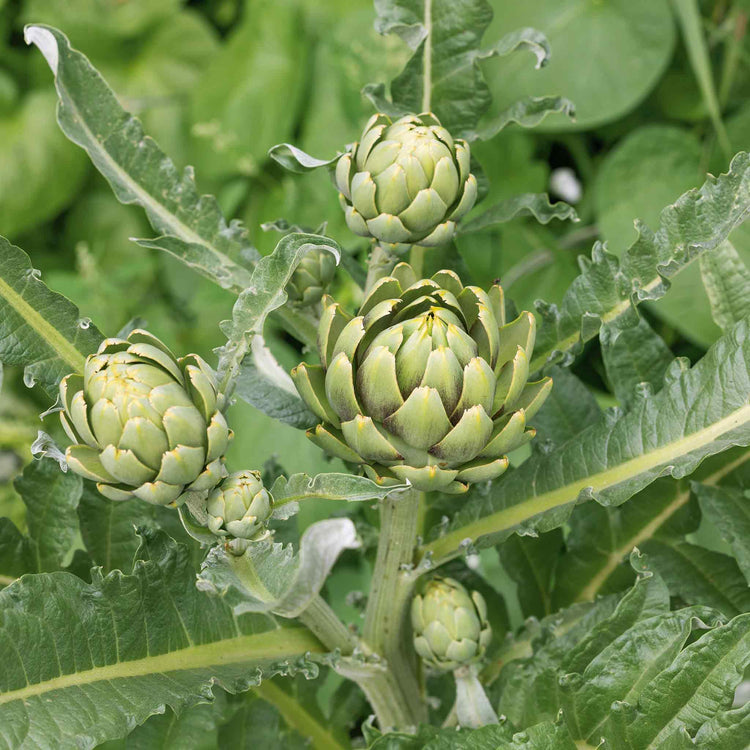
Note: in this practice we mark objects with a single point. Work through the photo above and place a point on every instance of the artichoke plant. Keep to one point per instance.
(311, 278)
(239, 507)
(427, 384)
(407, 181)
(450, 626)
(144, 423)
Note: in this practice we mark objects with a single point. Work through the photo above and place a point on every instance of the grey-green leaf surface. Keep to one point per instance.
(635, 356)
(527, 113)
(40, 330)
(699, 221)
(528, 204)
(727, 282)
(729, 509)
(601, 86)
(191, 225)
(699, 412)
(151, 635)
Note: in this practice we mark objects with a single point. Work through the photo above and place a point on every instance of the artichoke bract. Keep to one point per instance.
(311, 278)
(407, 181)
(144, 423)
(428, 384)
(239, 507)
(450, 625)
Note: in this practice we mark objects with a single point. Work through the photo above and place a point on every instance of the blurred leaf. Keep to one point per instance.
(600, 85)
(39, 172)
(727, 282)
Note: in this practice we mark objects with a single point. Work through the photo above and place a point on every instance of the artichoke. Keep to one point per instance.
(145, 424)
(450, 626)
(311, 278)
(427, 384)
(407, 181)
(239, 507)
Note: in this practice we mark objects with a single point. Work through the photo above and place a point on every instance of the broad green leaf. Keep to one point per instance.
(40, 330)
(698, 412)
(569, 409)
(40, 173)
(635, 357)
(600, 539)
(530, 562)
(444, 76)
(600, 85)
(606, 289)
(192, 226)
(727, 730)
(727, 282)
(699, 575)
(729, 510)
(649, 169)
(271, 576)
(528, 204)
(151, 635)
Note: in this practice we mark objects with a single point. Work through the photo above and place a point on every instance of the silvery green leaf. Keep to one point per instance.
(191, 226)
(527, 113)
(727, 282)
(271, 577)
(528, 204)
(64, 643)
(296, 160)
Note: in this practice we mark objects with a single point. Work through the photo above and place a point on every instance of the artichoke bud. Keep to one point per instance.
(311, 278)
(240, 507)
(145, 423)
(450, 625)
(427, 384)
(406, 182)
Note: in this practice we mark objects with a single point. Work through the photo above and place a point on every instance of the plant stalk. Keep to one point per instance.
(386, 630)
(325, 624)
(381, 263)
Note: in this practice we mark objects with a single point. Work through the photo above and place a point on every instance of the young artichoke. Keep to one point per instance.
(407, 181)
(311, 278)
(450, 626)
(239, 507)
(144, 423)
(427, 384)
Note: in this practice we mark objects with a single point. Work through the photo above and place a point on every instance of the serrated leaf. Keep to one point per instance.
(152, 634)
(698, 412)
(528, 204)
(727, 282)
(272, 577)
(600, 539)
(699, 575)
(192, 225)
(699, 221)
(40, 330)
(527, 113)
(729, 510)
(634, 357)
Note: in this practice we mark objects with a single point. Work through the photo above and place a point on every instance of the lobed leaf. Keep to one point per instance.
(699, 412)
(527, 204)
(527, 113)
(192, 226)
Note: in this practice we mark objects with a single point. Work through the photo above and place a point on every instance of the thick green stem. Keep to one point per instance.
(386, 630)
(381, 264)
(325, 624)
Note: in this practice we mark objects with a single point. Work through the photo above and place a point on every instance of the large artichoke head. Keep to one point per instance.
(450, 625)
(239, 507)
(427, 384)
(407, 181)
(144, 423)
(312, 277)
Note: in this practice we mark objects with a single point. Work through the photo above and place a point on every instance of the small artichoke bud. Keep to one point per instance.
(407, 181)
(428, 384)
(240, 507)
(144, 423)
(450, 626)
(311, 278)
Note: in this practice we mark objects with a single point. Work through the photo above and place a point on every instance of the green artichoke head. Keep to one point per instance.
(311, 278)
(407, 181)
(144, 423)
(239, 507)
(427, 384)
(450, 625)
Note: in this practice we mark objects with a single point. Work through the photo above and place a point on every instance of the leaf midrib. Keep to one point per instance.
(280, 643)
